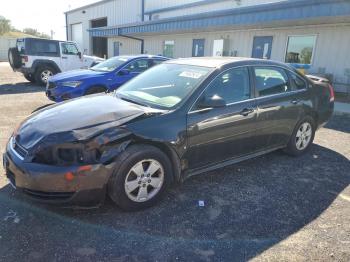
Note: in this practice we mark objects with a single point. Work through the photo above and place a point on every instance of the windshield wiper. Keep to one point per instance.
(131, 101)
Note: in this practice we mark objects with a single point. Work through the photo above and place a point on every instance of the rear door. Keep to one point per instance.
(279, 106)
(219, 134)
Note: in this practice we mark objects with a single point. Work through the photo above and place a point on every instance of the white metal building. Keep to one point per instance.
(5, 44)
(314, 34)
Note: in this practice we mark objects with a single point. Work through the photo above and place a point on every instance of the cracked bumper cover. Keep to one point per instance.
(48, 184)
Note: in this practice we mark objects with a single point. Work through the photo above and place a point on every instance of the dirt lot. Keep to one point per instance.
(273, 208)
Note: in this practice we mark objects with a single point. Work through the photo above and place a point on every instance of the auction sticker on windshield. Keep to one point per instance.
(191, 74)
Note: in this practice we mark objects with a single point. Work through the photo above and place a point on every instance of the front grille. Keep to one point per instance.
(51, 85)
(49, 195)
(19, 149)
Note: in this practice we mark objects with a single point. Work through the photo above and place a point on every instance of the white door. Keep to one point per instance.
(70, 57)
(77, 35)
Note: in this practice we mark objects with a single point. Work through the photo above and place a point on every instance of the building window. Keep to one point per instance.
(300, 49)
(168, 50)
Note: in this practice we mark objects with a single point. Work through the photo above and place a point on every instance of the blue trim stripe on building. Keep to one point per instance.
(252, 15)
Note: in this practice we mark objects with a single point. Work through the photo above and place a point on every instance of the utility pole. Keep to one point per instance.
(52, 34)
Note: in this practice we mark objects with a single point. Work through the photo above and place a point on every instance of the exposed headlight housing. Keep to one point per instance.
(66, 155)
(73, 84)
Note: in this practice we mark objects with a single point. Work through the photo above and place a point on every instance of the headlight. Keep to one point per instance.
(64, 155)
(73, 84)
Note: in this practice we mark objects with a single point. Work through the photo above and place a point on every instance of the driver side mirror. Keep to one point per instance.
(212, 102)
(123, 72)
(79, 54)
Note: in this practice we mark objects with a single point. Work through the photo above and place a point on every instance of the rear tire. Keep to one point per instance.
(29, 77)
(142, 175)
(302, 137)
(43, 73)
(95, 90)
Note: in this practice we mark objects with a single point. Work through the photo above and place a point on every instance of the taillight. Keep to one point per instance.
(331, 93)
(24, 59)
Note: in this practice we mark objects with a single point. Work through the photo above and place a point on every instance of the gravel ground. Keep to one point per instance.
(272, 208)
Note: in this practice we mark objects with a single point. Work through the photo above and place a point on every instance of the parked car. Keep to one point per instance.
(38, 59)
(104, 77)
(181, 118)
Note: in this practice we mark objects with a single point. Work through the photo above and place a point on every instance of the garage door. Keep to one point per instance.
(77, 35)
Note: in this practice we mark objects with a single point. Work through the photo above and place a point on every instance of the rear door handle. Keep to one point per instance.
(295, 101)
(64, 57)
(247, 111)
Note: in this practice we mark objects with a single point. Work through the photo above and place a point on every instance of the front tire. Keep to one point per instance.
(43, 73)
(141, 178)
(29, 77)
(302, 137)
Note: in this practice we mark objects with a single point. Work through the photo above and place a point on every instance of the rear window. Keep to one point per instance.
(39, 47)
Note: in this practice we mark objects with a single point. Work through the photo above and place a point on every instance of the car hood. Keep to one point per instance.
(76, 75)
(76, 120)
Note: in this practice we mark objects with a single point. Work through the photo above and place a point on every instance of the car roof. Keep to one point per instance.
(130, 57)
(216, 62)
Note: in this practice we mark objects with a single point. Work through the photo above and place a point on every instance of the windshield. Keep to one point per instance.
(110, 64)
(164, 86)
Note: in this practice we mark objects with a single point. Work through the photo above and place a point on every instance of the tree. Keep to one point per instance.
(34, 32)
(5, 25)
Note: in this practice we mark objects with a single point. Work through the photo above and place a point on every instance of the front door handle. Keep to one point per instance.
(247, 111)
(295, 101)
(64, 57)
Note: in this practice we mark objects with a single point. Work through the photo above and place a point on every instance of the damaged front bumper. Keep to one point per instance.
(83, 186)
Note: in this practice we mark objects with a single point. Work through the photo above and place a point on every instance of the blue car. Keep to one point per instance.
(103, 77)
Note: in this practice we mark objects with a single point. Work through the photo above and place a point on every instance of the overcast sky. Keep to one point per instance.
(43, 15)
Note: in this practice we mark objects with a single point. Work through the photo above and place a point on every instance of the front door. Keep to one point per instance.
(131, 70)
(262, 47)
(198, 47)
(219, 134)
(70, 57)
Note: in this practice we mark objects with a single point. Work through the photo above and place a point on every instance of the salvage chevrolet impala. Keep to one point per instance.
(180, 118)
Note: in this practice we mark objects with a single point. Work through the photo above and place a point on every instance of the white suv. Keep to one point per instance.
(38, 59)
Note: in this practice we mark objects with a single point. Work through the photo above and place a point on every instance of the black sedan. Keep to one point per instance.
(180, 118)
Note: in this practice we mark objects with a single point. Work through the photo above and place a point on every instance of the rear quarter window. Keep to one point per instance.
(38, 47)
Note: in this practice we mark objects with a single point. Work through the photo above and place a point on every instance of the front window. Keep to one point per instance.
(168, 50)
(110, 64)
(300, 49)
(232, 86)
(138, 66)
(163, 86)
(69, 49)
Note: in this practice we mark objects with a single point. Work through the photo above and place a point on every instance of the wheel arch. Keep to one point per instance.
(169, 152)
(44, 62)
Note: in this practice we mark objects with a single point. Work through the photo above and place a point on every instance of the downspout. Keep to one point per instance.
(138, 39)
(142, 10)
(142, 20)
(66, 26)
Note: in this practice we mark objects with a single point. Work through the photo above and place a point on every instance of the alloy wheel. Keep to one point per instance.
(144, 180)
(45, 75)
(303, 136)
